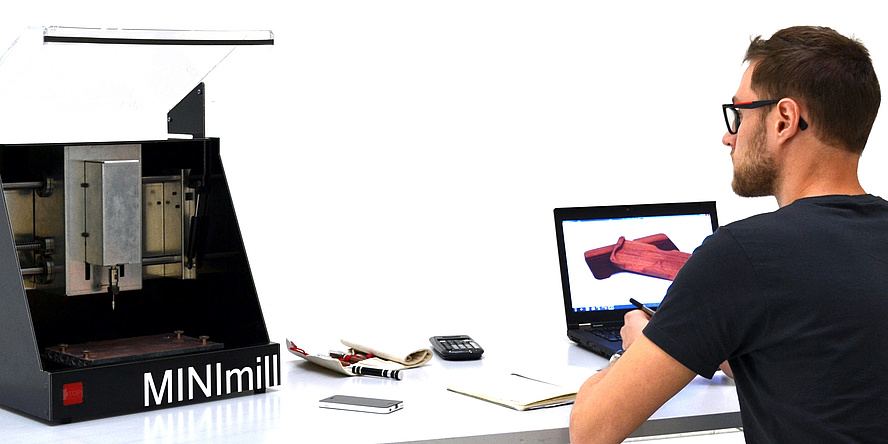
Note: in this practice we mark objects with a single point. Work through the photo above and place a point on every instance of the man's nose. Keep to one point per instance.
(729, 139)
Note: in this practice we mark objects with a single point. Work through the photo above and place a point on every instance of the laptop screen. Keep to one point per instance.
(611, 254)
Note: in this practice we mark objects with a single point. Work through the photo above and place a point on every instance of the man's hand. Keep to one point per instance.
(635, 321)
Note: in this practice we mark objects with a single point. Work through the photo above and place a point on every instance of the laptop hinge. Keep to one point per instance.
(585, 326)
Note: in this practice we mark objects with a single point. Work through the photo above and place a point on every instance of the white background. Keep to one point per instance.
(394, 164)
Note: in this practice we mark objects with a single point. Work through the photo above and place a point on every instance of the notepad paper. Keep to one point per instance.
(518, 391)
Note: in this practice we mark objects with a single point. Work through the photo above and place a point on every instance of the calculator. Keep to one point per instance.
(456, 348)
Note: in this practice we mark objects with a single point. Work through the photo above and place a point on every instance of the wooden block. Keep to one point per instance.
(654, 255)
(647, 259)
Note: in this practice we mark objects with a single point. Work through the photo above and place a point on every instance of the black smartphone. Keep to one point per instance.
(359, 404)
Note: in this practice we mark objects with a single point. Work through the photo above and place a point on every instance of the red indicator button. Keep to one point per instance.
(72, 393)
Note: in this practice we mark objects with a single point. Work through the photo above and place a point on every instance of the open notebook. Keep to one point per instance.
(527, 389)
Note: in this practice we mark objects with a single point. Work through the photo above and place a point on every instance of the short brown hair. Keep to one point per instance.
(831, 75)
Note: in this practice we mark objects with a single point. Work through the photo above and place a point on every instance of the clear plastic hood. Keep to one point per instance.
(75, 84)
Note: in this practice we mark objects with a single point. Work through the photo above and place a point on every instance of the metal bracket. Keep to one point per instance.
(189, 115)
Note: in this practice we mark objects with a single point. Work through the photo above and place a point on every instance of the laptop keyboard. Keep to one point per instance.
(612, 334)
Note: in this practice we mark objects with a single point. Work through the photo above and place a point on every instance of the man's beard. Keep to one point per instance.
(756, 173)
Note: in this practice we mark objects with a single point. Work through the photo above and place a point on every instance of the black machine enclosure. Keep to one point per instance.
(206, 290)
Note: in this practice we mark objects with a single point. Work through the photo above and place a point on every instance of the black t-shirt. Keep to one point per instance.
(797, 301)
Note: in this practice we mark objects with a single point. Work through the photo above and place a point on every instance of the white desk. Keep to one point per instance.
(430, 413)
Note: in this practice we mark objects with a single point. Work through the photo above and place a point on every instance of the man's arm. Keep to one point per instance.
(636, 320)
(615, 401)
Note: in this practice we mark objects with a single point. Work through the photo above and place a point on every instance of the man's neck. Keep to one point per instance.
(820, 171)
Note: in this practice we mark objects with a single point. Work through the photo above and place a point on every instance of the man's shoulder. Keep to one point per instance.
(814, 210)
(760, 224)
(809, 218)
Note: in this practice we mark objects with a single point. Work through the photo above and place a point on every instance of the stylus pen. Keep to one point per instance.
(370, 371)
(649, 311)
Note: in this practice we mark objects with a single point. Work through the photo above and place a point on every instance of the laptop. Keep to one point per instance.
(609, 254)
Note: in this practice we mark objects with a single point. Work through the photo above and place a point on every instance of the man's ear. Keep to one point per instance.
(789, 113)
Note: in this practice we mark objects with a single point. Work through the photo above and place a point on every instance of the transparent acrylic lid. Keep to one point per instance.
(62, 84)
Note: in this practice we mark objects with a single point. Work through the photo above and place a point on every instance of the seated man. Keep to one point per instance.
(796, 301)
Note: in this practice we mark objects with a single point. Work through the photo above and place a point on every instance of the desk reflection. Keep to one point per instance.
(214, 421)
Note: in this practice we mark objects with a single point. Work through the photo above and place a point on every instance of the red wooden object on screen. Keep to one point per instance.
(655, 256)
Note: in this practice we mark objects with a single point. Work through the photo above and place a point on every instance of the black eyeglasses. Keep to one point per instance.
(733, 117)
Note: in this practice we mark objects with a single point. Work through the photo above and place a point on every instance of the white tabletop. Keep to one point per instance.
(430, 412)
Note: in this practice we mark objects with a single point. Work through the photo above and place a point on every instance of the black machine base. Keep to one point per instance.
(79, 394)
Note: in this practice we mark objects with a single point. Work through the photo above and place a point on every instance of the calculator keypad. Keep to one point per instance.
(456, 347)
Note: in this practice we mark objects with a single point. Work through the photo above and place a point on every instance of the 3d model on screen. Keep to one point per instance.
(654, 256)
